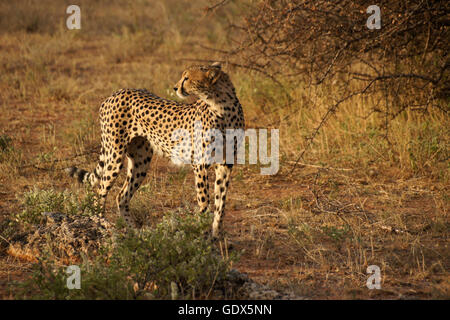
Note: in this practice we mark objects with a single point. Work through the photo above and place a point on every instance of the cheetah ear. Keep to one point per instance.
(216, 65)
(214, 74)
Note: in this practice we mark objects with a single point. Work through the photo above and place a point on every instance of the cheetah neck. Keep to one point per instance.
(222, 100)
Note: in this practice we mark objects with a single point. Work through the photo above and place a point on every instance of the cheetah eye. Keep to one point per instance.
(186, 78)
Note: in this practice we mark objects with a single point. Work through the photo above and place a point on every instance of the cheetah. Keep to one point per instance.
(135, 124)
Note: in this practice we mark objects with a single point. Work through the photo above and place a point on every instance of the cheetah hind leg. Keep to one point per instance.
(223, 174)
(139, 155)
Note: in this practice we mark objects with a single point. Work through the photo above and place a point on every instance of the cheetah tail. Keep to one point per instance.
(84, 176)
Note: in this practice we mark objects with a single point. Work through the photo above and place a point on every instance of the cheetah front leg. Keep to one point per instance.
(201, 186)
(223, 174)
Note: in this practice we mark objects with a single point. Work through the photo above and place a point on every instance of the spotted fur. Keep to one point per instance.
(136, 123)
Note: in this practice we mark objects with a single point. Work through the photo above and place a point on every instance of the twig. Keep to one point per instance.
(327, 115)
(321, 167)
(34, 165)
(216, 6)
(4, 239)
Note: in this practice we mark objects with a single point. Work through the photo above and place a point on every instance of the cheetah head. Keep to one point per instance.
(198, 81)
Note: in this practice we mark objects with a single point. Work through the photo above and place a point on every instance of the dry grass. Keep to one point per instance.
(313, 232)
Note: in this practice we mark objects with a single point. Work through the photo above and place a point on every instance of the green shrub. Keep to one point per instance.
(173, 260)
(36, 201)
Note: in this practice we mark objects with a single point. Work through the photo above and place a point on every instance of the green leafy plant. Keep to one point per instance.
(37, 201)
(147, 264)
